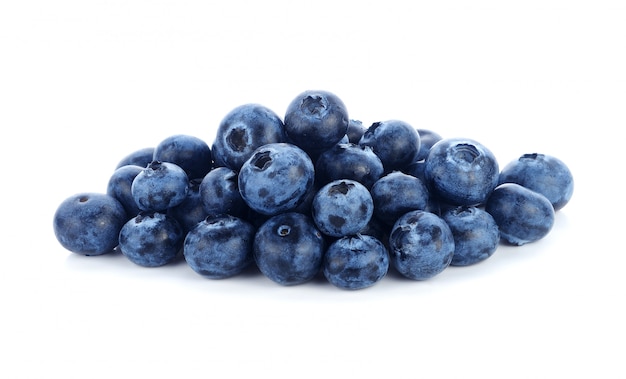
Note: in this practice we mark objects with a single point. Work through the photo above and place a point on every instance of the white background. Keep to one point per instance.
(83, 83)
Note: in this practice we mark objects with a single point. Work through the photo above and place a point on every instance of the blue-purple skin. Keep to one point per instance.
(219, 192)
(348, 161)
(119, 186)
(427, 139)
(355, 262)
(541, 173)
(396, 194)
(288, 249)
(159, 186)
(141, 158)
(191, 211)
(522, 215)
(395, 142)
(421, 245)
(243, 130)
(220, 247)
(151, 239)
(316, 120)
(276, 178)
(190, 153)
(476, 234)
(355, 131)
(342, 207)
(89, 223)
(461, 171)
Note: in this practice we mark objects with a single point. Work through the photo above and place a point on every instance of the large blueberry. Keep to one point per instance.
(522, 215)
(288, 248)
(219, 192)
(342, 207)
(276, 178)
(159, 186)
(476, 234)
(396, 194)
(421, 245)
(119, 186)
(461, 171)
(541, 173)
(191, 211)
(190, 153)
(355, 262)
(396, 143)
(89, 223)
(316, 120)
(348, 161)
(219, 247)
(243, 130)
(151, 239)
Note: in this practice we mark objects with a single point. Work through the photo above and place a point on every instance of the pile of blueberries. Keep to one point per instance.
(315, 192)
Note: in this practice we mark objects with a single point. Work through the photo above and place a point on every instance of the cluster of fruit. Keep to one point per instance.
(315, 192)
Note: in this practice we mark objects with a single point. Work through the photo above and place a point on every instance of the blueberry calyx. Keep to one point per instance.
(262, 160)
(236, 139)
(340, 188)
(283, 230)
(466, 152)
(314, 105)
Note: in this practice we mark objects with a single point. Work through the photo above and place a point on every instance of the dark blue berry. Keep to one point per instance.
(541, 173)
(396, 194)
(522, 215)
(395, 142)
(348, 161)
(219, 191)
(276, 178)
(421, 245)
(119, 186)
(190, 153)
(342, 207)
(242, 131)
(476, 234)
(141, 158)
(316, 120)
(151, 239)
(89, 223)
(220, 247)
(461, 171)
(288, 248)
(355, 262)
(159, 186)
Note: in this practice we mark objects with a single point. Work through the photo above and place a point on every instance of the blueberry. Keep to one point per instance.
(427, 139)
(476, 234)
(159, 186)
(219, 192)
(151, 239)
(396, 194)
(342, 207)
(191, 211)
(461, 171)
(522, 215)
(355, 262)
(348, 161)
(541, 173)
(355, 131)
(316, 120)
(288, 248)
(190, 153)
(219, 247)
(89, 223)
(396, 143)
(242, 131)
(421, 245)
(276, 178)
(141, 158)
(119, 186)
